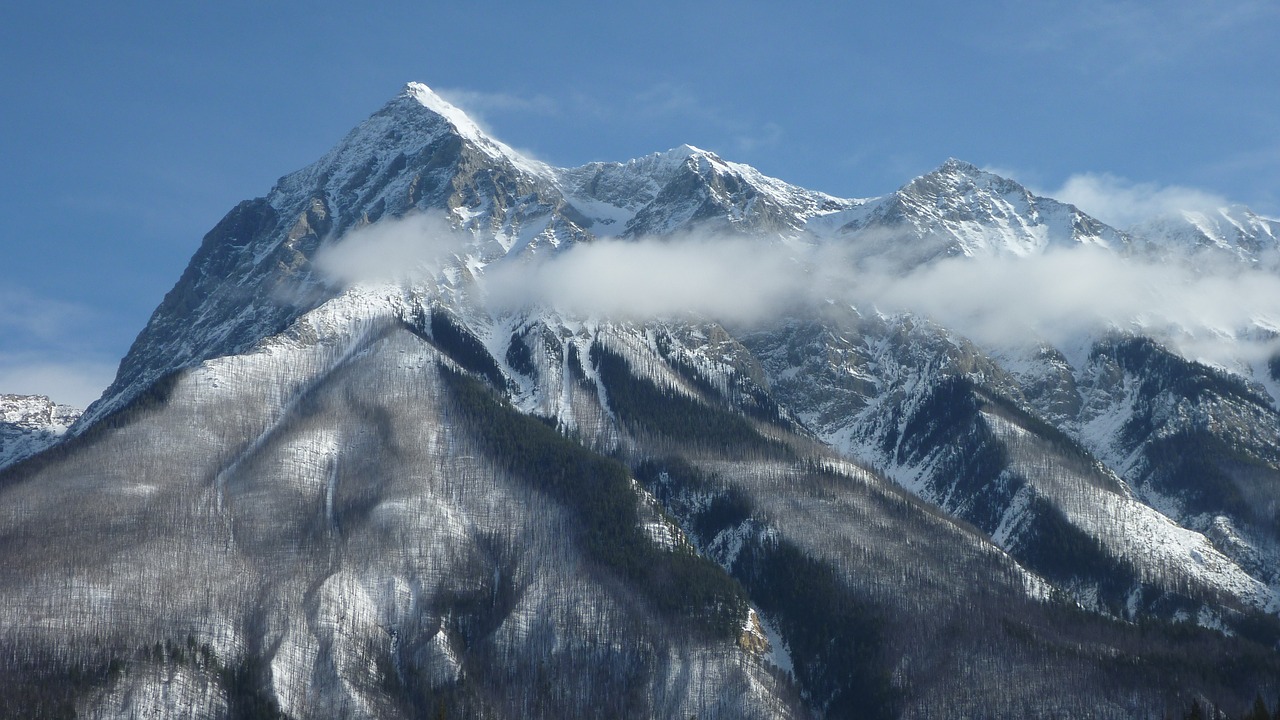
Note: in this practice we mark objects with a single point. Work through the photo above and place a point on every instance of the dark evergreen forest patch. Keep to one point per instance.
(679, 583)
(646, 408)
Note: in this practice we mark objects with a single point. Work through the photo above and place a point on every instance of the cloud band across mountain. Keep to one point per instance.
(1213, 310)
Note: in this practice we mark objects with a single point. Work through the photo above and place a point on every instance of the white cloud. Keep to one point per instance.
(393, 250)
(1123, 204)
(731, 279)
(1212, 312)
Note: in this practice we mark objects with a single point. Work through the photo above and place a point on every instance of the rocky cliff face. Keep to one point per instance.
(389, 497)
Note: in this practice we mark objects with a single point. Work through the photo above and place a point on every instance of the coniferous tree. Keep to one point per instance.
(1259, 710)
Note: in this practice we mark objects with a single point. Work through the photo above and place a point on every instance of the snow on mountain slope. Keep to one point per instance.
(959, 209)
(665, 192)
(932, 412)
(1132, 530)
(318, 511)
(252, 274)
(31, 423)
(1235, 232)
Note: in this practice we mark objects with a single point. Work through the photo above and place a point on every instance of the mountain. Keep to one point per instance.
(31, 423)
(960, 210)
(319, 494)
(1233, 233)
(667, 192)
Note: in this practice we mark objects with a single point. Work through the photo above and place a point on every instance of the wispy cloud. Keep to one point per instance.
(1262, 166)
(663, 101)
(732, 279)
(1123, 203)
(1116, 38)
(673, 100)
(480, 106)
(1216, 312)
(767, 135)
(480, 103)
(69, 381)
(47, 347)
(669, 99)
(26, 317)
(1210, 311)
(394, 250)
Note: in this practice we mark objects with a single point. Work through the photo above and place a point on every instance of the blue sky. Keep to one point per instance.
(129, 129)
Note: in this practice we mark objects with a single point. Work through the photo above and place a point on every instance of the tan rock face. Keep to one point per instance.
(753, 639)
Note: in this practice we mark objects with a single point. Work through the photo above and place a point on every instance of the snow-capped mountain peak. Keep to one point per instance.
(467, 128)
(428, 99)
(959, 169)
(684, 152)
(960, 209)
(417, 126)
(962, 188)
(684, 187)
